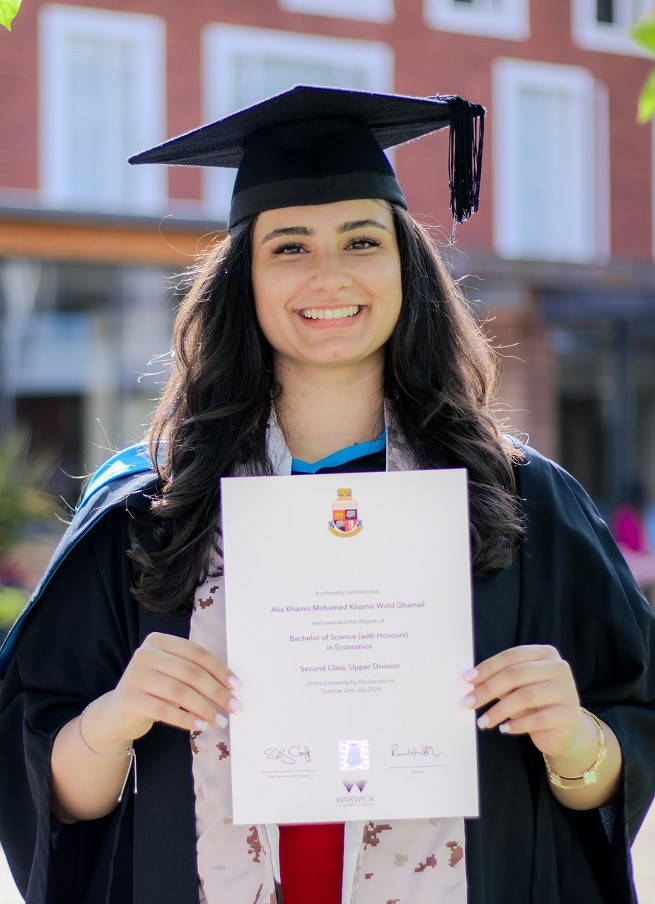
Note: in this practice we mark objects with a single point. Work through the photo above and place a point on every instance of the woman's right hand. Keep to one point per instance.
(171, 680)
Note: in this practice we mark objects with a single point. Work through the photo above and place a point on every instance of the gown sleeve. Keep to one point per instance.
(579, 595)
(74, 647)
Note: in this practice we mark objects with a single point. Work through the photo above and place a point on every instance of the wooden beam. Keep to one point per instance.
(97, 242)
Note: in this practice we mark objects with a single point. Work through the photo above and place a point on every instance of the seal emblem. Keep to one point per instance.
(345, 521)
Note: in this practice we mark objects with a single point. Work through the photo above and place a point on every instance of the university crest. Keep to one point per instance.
(345, 521)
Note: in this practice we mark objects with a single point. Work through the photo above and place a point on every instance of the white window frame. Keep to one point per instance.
(508, 19)
(508, 76)
(366, 10)
(608, 37)
(57, 23)
(222, 44)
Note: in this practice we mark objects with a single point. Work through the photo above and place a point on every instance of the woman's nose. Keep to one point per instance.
(330, 274)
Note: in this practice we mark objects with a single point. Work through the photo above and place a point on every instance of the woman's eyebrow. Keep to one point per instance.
(287, 230)
(350, 225)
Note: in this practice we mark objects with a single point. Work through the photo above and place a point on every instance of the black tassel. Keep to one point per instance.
(465, 157)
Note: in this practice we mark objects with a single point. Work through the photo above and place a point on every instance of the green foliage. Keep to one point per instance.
(643, 34)
(12, 601)
(23, 476)
(8, 10)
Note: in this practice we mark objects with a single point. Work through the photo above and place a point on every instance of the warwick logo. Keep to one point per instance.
(354, 796)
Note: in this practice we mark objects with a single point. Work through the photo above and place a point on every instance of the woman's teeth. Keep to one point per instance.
(330, 313)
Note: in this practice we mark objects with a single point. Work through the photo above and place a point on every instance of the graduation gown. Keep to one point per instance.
(568, 586)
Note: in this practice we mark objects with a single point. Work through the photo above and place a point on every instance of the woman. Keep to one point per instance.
(325, 323)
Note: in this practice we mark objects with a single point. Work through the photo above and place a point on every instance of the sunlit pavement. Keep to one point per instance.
(8, 891)
(643, 851)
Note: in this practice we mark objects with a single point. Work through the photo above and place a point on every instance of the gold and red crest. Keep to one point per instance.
(345, 516)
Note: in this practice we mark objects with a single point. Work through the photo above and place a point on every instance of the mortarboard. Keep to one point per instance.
(314, 145)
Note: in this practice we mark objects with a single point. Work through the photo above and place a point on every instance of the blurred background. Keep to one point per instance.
(559, 263)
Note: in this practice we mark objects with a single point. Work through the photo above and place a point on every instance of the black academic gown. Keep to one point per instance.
(568, 586)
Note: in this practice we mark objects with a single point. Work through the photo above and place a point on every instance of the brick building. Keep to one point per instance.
(560, 256)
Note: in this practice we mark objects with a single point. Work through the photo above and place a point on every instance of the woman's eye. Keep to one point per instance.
(288, 248)
(363, 243)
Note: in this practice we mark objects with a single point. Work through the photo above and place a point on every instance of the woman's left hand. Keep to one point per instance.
(535, 694)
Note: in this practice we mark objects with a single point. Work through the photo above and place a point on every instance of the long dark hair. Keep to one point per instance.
(213, 414)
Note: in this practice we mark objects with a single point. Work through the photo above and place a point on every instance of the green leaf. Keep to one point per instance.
(643, 33)
(646, 104)
(8, 10)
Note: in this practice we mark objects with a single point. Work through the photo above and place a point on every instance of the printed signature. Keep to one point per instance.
(289, 755)
(424, 750)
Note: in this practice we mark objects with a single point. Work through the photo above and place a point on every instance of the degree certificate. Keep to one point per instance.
(349, 625)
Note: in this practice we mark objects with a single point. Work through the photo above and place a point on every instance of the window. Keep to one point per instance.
(244, 65)
(551, 166)
(76, 346)
(369, 10)
(490, 18)
(605, 24)
(102, 89)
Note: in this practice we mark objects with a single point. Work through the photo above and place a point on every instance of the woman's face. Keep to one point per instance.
(326, 280)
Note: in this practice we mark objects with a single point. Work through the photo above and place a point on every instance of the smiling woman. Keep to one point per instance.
(324, 335)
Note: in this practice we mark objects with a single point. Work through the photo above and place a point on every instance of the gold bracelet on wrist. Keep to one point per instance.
(130, 752)
(589, 776)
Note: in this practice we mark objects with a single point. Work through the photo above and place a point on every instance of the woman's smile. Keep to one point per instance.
(331, 313)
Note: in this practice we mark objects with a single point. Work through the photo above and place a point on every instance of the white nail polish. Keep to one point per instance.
(200, 724)
(483, 721)
(470, 674)
(469, 701)
(220, 720)
(505, 728)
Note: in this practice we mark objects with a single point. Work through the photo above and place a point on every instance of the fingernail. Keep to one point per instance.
(234, 705)
(220, 720)
(505, 728)
(200, 724)
(234, 682)
(469, 701)
(470, 674)
(483, 721)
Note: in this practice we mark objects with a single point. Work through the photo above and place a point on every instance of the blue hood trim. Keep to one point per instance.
(130, 461)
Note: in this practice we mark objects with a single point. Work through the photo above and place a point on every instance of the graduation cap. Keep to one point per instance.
(315, 145)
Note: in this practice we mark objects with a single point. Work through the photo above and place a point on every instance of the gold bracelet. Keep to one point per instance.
(589, 776)
(130, 752)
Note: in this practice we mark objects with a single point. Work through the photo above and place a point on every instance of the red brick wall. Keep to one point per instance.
(426, 62)
(19, 105)
(526, 378)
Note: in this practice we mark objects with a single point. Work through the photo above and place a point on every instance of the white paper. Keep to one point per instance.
(350, 641)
